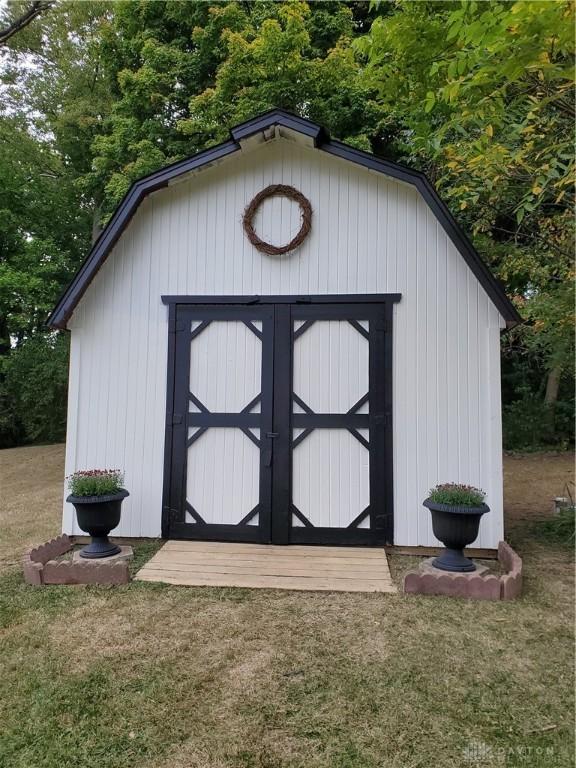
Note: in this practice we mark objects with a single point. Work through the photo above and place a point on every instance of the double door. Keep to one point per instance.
(279, 421)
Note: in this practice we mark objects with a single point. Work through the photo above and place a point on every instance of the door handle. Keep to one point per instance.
(268, 452)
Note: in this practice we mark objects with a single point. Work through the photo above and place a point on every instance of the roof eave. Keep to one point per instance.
(148, 184)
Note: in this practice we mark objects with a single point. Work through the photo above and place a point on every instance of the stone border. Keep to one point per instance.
(40, 567)
(471, 585)
(511, 581)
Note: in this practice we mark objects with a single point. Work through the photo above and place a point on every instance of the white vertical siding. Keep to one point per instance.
(330, 484)
(369, 234)
(223, 476)
(226, 366)
(330, 477)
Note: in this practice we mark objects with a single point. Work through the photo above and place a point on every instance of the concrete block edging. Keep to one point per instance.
(40, 566)
(474, 586)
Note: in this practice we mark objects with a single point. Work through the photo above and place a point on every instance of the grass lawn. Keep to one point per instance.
(157, 676)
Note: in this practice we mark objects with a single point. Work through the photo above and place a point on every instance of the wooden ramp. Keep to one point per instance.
(266, 566)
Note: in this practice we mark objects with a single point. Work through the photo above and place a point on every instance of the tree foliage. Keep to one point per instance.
(33, 391)
(96, 94)
(184, 73)
(485, 95)
(27, 16)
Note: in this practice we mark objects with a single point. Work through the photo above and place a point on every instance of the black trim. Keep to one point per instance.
(486, 278)
(380, 376)
(359, 518)
(240, 420)
(379, 315)
(168, 439)
(144, 186)
(253, 512)
(299, 402)
(303, 519)
(337, 537)
(301, 437)
(282, 473)
(192, 439)
(251, 436)
(361, 439)
(251, 404)
(326, 298)
(175, 503)
(191, 511)
(285, 119)
(120, 220)
(357, 405)
(360, 328)
(204, 324)
(198, 403)
(255, 331)
(240, 533)
(331, 420)
(303, 328)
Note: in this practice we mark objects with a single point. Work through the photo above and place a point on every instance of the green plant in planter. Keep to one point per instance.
(97, 496)
(456, 510)
(457, 494)
(95, 482)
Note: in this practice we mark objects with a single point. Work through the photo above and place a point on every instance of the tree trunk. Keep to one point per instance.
(37, 7)
(4, 337)
(552, 386)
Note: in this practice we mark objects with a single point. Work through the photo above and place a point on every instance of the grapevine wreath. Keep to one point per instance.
(277, 190)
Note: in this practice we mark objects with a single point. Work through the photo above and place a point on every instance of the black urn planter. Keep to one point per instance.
(456, 527)
(97, 516)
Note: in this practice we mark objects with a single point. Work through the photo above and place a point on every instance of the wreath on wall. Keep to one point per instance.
(277, 190)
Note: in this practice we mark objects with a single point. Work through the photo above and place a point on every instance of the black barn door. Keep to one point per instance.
(221, 470)
(280, 421)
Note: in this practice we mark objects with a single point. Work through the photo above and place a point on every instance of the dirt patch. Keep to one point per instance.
(532, 481)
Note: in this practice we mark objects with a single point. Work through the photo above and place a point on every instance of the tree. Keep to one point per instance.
(485, 92)
(46, 128)
(41, 231)
(183, 73)
(96, 94)
(23, 18)
(33, 391)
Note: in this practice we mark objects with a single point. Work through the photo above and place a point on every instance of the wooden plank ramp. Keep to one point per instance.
(269, 566)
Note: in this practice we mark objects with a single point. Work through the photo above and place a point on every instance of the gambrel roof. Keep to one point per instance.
(276, 122)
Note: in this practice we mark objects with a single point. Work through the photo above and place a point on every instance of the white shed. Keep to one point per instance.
(312, 396)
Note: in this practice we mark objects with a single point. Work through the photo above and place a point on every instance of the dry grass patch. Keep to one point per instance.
(205, 678)
(532, 481)
(31, 489)
(154, 676)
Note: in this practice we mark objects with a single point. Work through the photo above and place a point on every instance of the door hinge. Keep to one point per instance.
(170, 513)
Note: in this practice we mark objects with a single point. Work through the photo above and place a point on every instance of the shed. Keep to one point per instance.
(311, 396)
